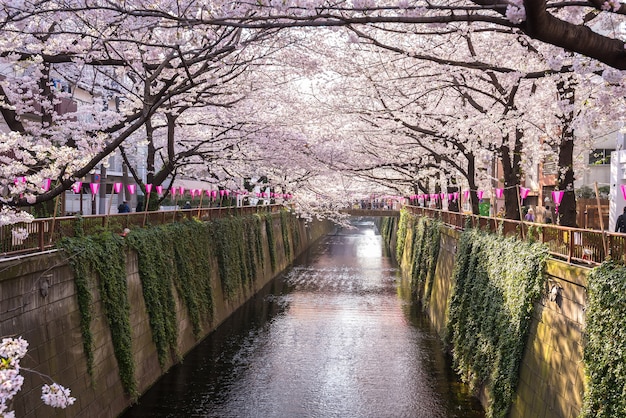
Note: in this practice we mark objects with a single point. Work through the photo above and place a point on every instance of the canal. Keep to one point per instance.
(336, 336)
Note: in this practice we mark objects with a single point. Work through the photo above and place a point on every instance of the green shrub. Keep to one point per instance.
(104, 255)
(604, 351)
(497, 281)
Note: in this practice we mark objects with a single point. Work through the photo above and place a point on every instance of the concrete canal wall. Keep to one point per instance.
(38, 301)
(551, 377)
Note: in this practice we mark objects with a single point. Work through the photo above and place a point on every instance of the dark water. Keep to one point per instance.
(337, 336)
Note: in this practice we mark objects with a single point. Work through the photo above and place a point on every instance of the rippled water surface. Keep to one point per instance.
(336, 336)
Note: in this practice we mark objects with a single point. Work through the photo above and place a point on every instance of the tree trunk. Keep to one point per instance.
(512, 172)
(565, 182)
(471, 180)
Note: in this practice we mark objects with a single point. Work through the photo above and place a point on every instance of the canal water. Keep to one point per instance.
(335, 336)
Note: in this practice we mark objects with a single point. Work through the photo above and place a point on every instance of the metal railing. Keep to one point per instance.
(43, 234)
(575, 245)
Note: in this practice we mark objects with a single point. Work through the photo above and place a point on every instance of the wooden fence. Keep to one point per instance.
(575, 245)
(43, 234)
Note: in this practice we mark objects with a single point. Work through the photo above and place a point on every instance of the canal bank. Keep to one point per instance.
(110, 339)
(335, 335)
(546, 375)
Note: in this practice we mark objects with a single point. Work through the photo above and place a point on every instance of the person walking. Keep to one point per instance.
(123, 207)
(620, 225)
(530, 216)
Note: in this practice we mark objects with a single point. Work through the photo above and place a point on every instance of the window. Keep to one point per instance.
(600, 156)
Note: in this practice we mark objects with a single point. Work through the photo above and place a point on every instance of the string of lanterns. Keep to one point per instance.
(132, 189)
(557, 195)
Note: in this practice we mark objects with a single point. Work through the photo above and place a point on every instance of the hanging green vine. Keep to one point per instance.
(497, 281)
(176, 255)
(79, 262)
(424, 253)
(104, 254)
(405, 220)
(386, 228)
(154, 247)
(271, 242)
(284, 229)
(232, 256)
(193, 264)
(251, 247)
(433, 245)
(605, 333)
(258, 239)
(295, 228)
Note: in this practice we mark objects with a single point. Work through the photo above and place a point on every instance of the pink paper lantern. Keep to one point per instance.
(193, 193)
(623, 187)
(523, 192)
(557, 196)
(173, 191)
(76, 187)
(455, 195)
(443, 196)
(159, 189)
(499, 193)
(46, 184)
(132, 188)
(480, 194)
(214, 194)
(227, 192)
(94, 187)
(117, 187)
(466, 194)
(182, 190)
(148, 188)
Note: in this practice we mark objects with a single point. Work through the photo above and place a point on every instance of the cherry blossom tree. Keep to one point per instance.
(149, 70)
(12, 351)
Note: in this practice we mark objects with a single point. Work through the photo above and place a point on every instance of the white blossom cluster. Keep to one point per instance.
(613, 5)
(9, 216)
(516, 12)
(56, 396)
(12, 350)
(19, 235)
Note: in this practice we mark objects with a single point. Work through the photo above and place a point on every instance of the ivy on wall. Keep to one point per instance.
(295, 231)
(497, 281)
(420, 237)
(284, 229)
(154, 249)
(229, 237)
(426, 243)
(605, 333)
(104, 255)
(271, 243)
(174, 256)
(193, 252)
(405, 220)
(387, 226)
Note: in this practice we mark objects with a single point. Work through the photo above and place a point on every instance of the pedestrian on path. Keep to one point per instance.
(530, 215)
(620, 225)
(123, 207)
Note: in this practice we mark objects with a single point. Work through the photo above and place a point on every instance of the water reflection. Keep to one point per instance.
(334, 337)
